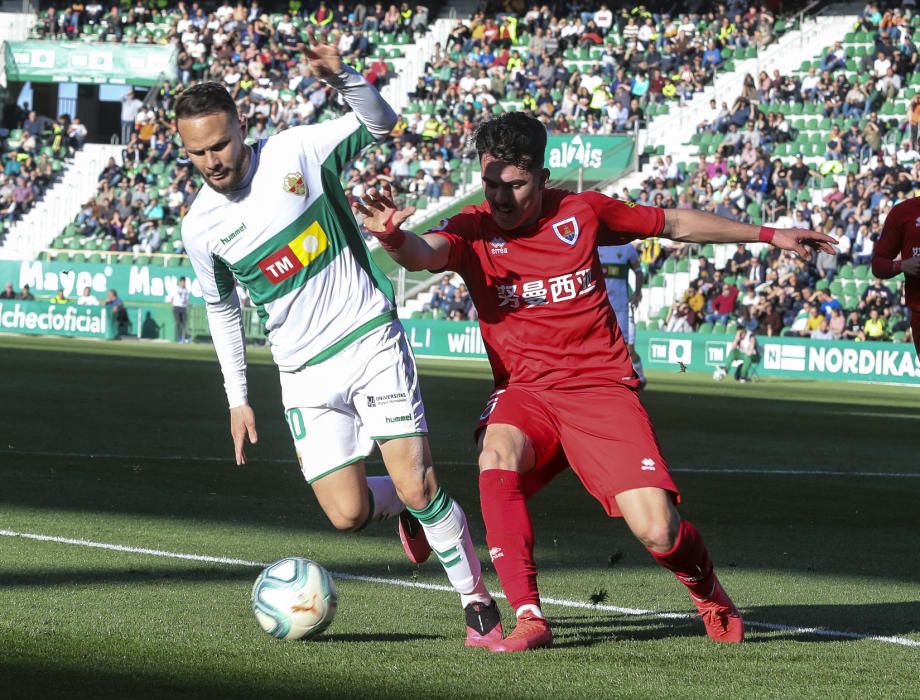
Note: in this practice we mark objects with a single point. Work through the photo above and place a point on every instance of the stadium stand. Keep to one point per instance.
(852, 114)
(828, 147)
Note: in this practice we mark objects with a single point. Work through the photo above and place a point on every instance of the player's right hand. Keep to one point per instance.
(242, 425)
(380, 212)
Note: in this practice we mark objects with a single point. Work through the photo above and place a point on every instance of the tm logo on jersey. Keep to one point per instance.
(296, 255)
(567, 230)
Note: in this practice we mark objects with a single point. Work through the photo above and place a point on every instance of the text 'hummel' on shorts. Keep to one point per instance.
(338, 408)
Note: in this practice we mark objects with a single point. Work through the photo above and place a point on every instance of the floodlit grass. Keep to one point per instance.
(127, 444)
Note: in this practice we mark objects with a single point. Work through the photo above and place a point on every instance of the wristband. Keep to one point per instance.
(392, 237)
(766, 234)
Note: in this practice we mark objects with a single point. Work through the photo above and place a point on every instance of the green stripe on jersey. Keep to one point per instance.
(261, 288)
(616, 272)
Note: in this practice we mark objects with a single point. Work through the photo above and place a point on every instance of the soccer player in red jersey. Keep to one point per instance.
(901, 236)
(565, 390)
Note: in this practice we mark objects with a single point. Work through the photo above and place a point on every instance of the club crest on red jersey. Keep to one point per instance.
(567, 230)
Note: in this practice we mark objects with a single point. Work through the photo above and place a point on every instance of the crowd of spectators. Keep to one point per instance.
(32, 156)
(862, 164)
(581, 69)
(450, 302)
(777, 293)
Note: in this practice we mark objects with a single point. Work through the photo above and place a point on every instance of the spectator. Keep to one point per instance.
(87, 298)
(875, 327)
(60, 297)
(823, 332)
(26, 294)
(744, 353)
(8, 292)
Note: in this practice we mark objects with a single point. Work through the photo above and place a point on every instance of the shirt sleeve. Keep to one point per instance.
(889, 243)
(213, 275)
(339, 141)
(225, 317)
(455, 230)
(623, 222)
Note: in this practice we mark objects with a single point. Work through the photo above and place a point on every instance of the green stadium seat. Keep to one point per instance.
(862, 272)
(705, 328)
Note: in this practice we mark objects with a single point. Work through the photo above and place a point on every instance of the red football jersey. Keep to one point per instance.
(901, 234)
(543, 308)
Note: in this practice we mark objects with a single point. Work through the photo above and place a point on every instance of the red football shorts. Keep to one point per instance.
(603, 433)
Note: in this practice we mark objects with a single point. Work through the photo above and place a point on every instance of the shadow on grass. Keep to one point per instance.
(28, 681)
(858, 620)
(374, 637)
(131, 575)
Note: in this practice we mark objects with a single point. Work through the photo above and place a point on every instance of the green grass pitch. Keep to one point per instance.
(127, 444)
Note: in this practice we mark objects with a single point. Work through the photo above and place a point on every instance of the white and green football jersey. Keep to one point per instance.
(617, 261)
(291, 240)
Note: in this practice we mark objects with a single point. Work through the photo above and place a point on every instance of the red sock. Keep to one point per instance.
(689, 561)
(509, 534)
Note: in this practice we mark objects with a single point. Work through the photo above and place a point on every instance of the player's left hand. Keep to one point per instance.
(802, 241)
(324, 60)
(635, 298)
(380, 212)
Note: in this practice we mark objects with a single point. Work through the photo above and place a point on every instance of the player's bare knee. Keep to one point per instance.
(659, 535)
(347, 517)
(491, 458)
(345, 523)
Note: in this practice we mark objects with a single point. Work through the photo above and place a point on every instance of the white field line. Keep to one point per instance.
(378, 462)
(561, 602)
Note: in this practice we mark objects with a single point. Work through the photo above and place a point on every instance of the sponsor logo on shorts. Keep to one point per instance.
(496, 553)
(385, 399)
(398, 419)
(648, 464)
(296, 255)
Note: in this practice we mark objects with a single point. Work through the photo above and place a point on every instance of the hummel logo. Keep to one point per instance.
(648, 465)
(496, 553)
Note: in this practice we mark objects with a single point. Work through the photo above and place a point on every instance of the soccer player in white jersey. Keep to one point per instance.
(617, 261)
(273, 217)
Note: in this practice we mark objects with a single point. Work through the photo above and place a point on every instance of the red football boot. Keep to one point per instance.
(531, 632)
(483, 625)
(413, 538)
(720, 616)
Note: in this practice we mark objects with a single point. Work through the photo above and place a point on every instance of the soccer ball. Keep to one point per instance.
(719, 374)
(294, 598)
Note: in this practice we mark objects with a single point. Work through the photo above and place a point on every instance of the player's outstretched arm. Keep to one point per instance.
(691, 226)
(368, 104)
(384, 221)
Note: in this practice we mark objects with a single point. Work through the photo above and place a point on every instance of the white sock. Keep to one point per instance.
(531, 608)
(445, 528)
(637, 365)
(385, 503)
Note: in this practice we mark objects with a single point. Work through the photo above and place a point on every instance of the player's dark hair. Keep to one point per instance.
(513, 138)
(205, 98)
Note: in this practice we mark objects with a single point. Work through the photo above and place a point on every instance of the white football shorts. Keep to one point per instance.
(337, 409)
